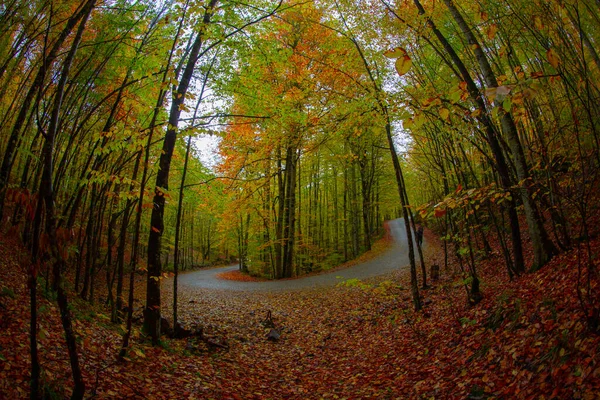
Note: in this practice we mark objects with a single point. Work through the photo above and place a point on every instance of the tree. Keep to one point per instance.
(152, 309)
(46, 201)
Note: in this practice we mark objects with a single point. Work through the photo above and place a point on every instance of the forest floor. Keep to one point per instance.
(357, 340)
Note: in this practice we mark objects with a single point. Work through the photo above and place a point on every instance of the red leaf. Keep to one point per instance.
(438, 213)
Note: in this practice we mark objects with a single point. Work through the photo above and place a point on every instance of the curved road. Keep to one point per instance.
(394, 258)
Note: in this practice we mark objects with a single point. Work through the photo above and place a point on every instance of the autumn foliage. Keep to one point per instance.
(478, 121)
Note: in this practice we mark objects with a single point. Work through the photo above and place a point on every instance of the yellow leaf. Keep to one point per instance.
(537, 21)
(403, 64)
(444, 113)
(395, 53)
(553, 58)
(418, 120)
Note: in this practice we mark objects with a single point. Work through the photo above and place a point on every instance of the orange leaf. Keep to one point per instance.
(553, 58)
(537, 74)
(491, 32)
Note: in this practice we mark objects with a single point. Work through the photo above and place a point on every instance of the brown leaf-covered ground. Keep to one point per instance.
(526, 339)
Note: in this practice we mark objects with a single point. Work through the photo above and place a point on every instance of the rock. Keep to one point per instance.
(179, 332)
(273, 335)
(165, 327)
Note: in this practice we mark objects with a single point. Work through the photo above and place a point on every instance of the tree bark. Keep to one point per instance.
(178, 231)
(414, 284)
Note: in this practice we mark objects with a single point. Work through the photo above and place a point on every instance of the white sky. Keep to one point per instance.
(207, 147)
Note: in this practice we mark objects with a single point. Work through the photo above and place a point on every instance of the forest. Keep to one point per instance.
(270, 199)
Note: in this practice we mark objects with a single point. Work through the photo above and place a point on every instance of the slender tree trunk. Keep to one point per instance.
(490, 134)
(366, 204)
(152, 311)
(177, 232)
(543, 248)
(345, 245)
(279, 217)
(354, 215)
(414, 284)
(30, 103)
(47, 197)
(289, 212)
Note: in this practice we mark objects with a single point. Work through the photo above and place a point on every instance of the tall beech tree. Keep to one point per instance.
(485, 104)
(152, 310)
(491, 134)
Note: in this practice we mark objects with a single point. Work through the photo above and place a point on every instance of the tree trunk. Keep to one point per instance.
(490, 134)
(152, 311)
(543, 248)
(289, 212)
(414, 284)
(279, 219)
(47, 197)
(138, 219)
(30, 103)
(178, 230)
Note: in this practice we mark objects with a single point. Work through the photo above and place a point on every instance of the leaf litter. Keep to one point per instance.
(361, 339)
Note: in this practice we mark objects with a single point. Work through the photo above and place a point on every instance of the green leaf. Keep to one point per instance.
(507, 104)
(454, 96)
(28, 153)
